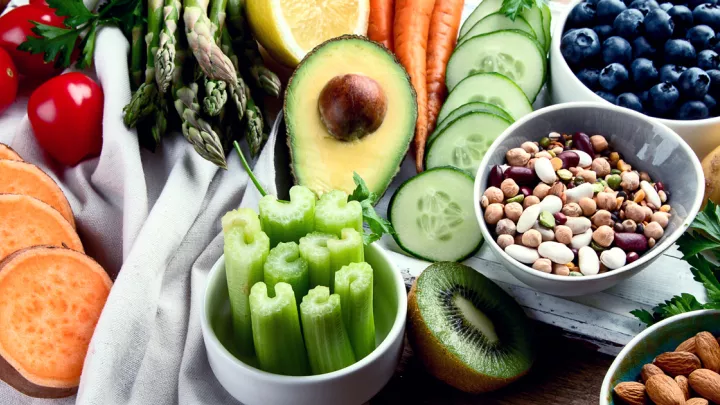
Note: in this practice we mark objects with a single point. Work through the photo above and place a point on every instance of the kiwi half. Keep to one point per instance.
(466, 330)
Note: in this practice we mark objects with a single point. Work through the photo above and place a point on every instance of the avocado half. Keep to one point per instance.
(322, 162)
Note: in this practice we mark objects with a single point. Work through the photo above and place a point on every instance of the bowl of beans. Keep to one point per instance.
(578, 197)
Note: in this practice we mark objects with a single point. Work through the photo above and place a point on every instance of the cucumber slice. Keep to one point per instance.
(466, 108)
(512, 53)
(483, 10)
(464, 141)
(492, 88)
(534, 17)
(433, 215)
(497, 22)
(547, 23)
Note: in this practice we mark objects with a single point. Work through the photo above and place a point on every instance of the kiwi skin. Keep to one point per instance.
(442, 363)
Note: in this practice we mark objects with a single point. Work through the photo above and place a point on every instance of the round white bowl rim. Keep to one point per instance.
(666, 241)
(396, 330)
(555, 43)
(640, 336)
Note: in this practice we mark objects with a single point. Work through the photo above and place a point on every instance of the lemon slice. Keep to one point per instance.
(289, 29)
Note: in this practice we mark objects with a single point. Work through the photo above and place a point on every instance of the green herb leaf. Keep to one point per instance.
(513, 8)
(56, 43)
(87, 45)
(691, 244)
(705, 274)
(247, 169)
(712, 305)
(74, 10)
(377, 224)
(708, 221)
(678, 305)
(644, 316)
(361, 192)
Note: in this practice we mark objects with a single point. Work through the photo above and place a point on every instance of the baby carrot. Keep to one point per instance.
(380, 26)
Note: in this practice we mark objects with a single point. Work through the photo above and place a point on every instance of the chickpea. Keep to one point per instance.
(661, 218)
(558, 189)
(588, 175)
(648, 213)
(644, 176)
(530, 147)
(505, 227)
(541, 190)
(635, 211)
(513, 211)
(494, 195)
(544, 265)
(530, 200)
(493, 213)
(563, 234)
(588, 206)
(504, 241)
(604, 236)
(599, 143)
(629, 225)
(654, 230)
(606, 201)
(509, 188)
(651, 243)
(575, 170)
(601, 218)
(572, 210)
(532, 238)
(531, 164)
(484, 202)
(517, 157)
(630, 181)
(601, 167)
(561, 269)
(544, 154)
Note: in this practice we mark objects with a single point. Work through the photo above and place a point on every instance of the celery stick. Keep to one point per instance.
(354, 285)
(284, 265)
(349, 249)
(285, 221)
(276, 330)
(313, 248)
(326, 340)
(334, 213)
(246, 248)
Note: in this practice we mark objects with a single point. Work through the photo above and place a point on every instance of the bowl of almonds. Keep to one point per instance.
(674, 362)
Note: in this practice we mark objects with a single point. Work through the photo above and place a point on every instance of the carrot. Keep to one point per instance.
(7, 152)
(380, 26)
(50, 301)
(444, 26)
(27, 179)
(412, 24)
(26, 221)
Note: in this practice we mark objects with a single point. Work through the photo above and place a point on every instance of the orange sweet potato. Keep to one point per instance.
(28, 179)
(50, 301)
(7, 152)
(26, 221)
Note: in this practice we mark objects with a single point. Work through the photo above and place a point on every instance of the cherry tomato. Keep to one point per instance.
(15, 26)
(8, 81)
(66, 115)
(39, 2)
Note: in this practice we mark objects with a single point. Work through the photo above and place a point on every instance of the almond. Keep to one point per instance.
(632, 393)
(682, 382)
(687, 346)
(706, 383)
(708, 350)
(663, 390)
(649, 370)
(697, 401)
(677, 363)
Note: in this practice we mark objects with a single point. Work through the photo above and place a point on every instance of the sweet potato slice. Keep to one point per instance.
(27, 179)
(26, 221)
(8, 153)
(50, 301)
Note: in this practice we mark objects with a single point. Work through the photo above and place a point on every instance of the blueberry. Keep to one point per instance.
(627, 24)
(714, 75)
(644, 96)
(692, 110)
(582, 15)
(680, 52)
(694, 3)
(603, 31)
(644, 5)
(589, 77)
(629, 100)
(666, 6)
(682, 17)
(707, 14)
(708, 59)
(643, 49)
(607, 10)
(662, 97)
(613, 77)
(658, 25)
(671, 73)
(710, 103)
(644, 73)
(616, 49)
(699, 36)
(694, 83)
(580, 46)
(606, 95)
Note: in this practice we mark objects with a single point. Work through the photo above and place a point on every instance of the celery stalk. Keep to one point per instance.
(326, 340)
(354, 285)
(285, 221)
(284, 265)
(313, 248)
(334, 213)
(349, 249)
(246, 248)
(276, 330)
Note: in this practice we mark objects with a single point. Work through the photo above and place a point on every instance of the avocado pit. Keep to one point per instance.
(352, 106)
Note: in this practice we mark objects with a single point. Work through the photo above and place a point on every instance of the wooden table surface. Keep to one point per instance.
(567, 372)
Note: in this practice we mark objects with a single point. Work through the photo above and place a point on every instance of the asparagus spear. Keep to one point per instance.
(136, 54)
(238, 92)
(167, 47)
(198, 28)
(216, 90)
(254, 125)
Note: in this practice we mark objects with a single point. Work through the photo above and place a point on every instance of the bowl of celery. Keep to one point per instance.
(299, 309)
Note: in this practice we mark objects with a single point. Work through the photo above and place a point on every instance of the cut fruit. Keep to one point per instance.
(26, 221)
(276, 330)
(466, 108)
(313, 248)
(50, 301)
(511, 53)
(334, 213)
(464, 141)
(433, 215)
(326, 339)
(284, 265)
(466, 330)
(8, 153)
(491, 88)
(27, 179)
(349, 249)
(289, 29)
(354, 285)
(534, 17)
(484, 9)
(285, 221)
(497, 22)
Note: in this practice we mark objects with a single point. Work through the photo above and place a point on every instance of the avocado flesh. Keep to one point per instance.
(320, 161)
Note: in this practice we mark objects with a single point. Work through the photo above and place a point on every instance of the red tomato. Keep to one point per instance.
(66, 115)
(15, 26)
(39, 2)
(8, 81)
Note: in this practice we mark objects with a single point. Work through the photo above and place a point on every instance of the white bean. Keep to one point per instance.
(588, 261)
(522, 254)
(578, 224)
(613, 258)
(556, 252)
(547, 234)
(544, 170)
(585, 159)
(651, 196)
(582, 239)
(579, 192)
(551, 203)
(528, 218)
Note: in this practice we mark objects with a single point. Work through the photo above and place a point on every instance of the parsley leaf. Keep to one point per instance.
(377, 224)
(54, 42)
(513, 8)
(644, 316)
(705, 274)
(74, 10)
(691, 244)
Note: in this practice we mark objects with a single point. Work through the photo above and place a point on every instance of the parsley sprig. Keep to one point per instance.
(513, 8)
(58, 43)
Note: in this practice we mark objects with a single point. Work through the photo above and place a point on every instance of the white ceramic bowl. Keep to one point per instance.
(645, 143)
(355, 384)
(702, 135)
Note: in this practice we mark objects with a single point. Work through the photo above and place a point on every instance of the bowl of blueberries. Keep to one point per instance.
(660, 59)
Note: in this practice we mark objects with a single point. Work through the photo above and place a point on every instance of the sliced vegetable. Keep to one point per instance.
(466, 108)
(334, 212)
(380, 24)
(284, 265)
(533, 16)
(484, 9)
(354, 285)
(547, 22)
(348, 249)
(498, 22)
(285, 221)
(313, 248)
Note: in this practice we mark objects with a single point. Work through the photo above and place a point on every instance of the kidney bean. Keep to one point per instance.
(496, 176)
(631, 257)
(575, 254)
(582, 141)
(569, 159)
(631, 242)
(526, 191)
(659, 186)
(560, 218)
(522, 175)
